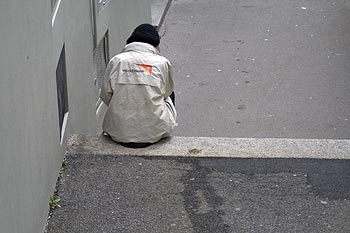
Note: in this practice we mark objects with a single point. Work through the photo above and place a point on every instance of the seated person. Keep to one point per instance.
(139, 92)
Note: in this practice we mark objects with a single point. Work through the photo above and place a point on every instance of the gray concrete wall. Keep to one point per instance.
(30, 46)
(116, 19)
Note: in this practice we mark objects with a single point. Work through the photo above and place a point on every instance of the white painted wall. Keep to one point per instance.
(30, 150)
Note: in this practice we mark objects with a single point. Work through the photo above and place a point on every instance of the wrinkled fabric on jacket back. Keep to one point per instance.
(136, 90)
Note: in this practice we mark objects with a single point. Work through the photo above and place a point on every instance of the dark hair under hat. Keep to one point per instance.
(145, 33)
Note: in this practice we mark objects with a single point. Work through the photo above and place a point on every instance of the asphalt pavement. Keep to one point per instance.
(109, 188)
(260, 69)
(125, 194)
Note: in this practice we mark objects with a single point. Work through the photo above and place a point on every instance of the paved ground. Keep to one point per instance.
(139, 194)
(105, 191)
(274, 87)
(251, 68)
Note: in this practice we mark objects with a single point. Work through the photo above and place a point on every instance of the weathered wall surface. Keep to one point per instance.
(30, 145)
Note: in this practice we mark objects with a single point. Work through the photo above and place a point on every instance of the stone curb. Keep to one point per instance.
(217, 147)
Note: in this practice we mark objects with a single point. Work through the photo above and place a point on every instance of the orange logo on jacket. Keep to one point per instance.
(146, 67)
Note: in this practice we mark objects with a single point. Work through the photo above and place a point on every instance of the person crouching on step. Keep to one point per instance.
(138, 90)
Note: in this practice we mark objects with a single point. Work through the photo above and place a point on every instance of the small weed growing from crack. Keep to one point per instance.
(54, 200)
(63, 167)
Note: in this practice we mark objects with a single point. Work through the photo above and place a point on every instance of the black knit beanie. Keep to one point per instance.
(145, 33)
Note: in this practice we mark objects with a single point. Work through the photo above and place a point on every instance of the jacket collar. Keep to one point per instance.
(140, 47)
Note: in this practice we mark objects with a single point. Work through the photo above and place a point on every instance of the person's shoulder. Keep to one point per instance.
(114, 58)
(118, 58)
(163, 59)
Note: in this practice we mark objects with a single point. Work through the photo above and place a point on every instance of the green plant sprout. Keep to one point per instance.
(54, 202)
(63, 167)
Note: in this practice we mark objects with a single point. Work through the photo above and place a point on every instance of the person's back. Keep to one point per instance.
(137, 87)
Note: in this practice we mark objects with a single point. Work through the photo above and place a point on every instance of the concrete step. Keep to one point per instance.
(217, 147)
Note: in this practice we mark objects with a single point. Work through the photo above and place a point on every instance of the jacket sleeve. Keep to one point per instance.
(169, 80)
(106, 90)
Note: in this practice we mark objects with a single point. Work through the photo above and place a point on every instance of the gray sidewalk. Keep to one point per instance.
(112, 192)
(260, 69)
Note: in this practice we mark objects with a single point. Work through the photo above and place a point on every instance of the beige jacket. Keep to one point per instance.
(136, 90)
